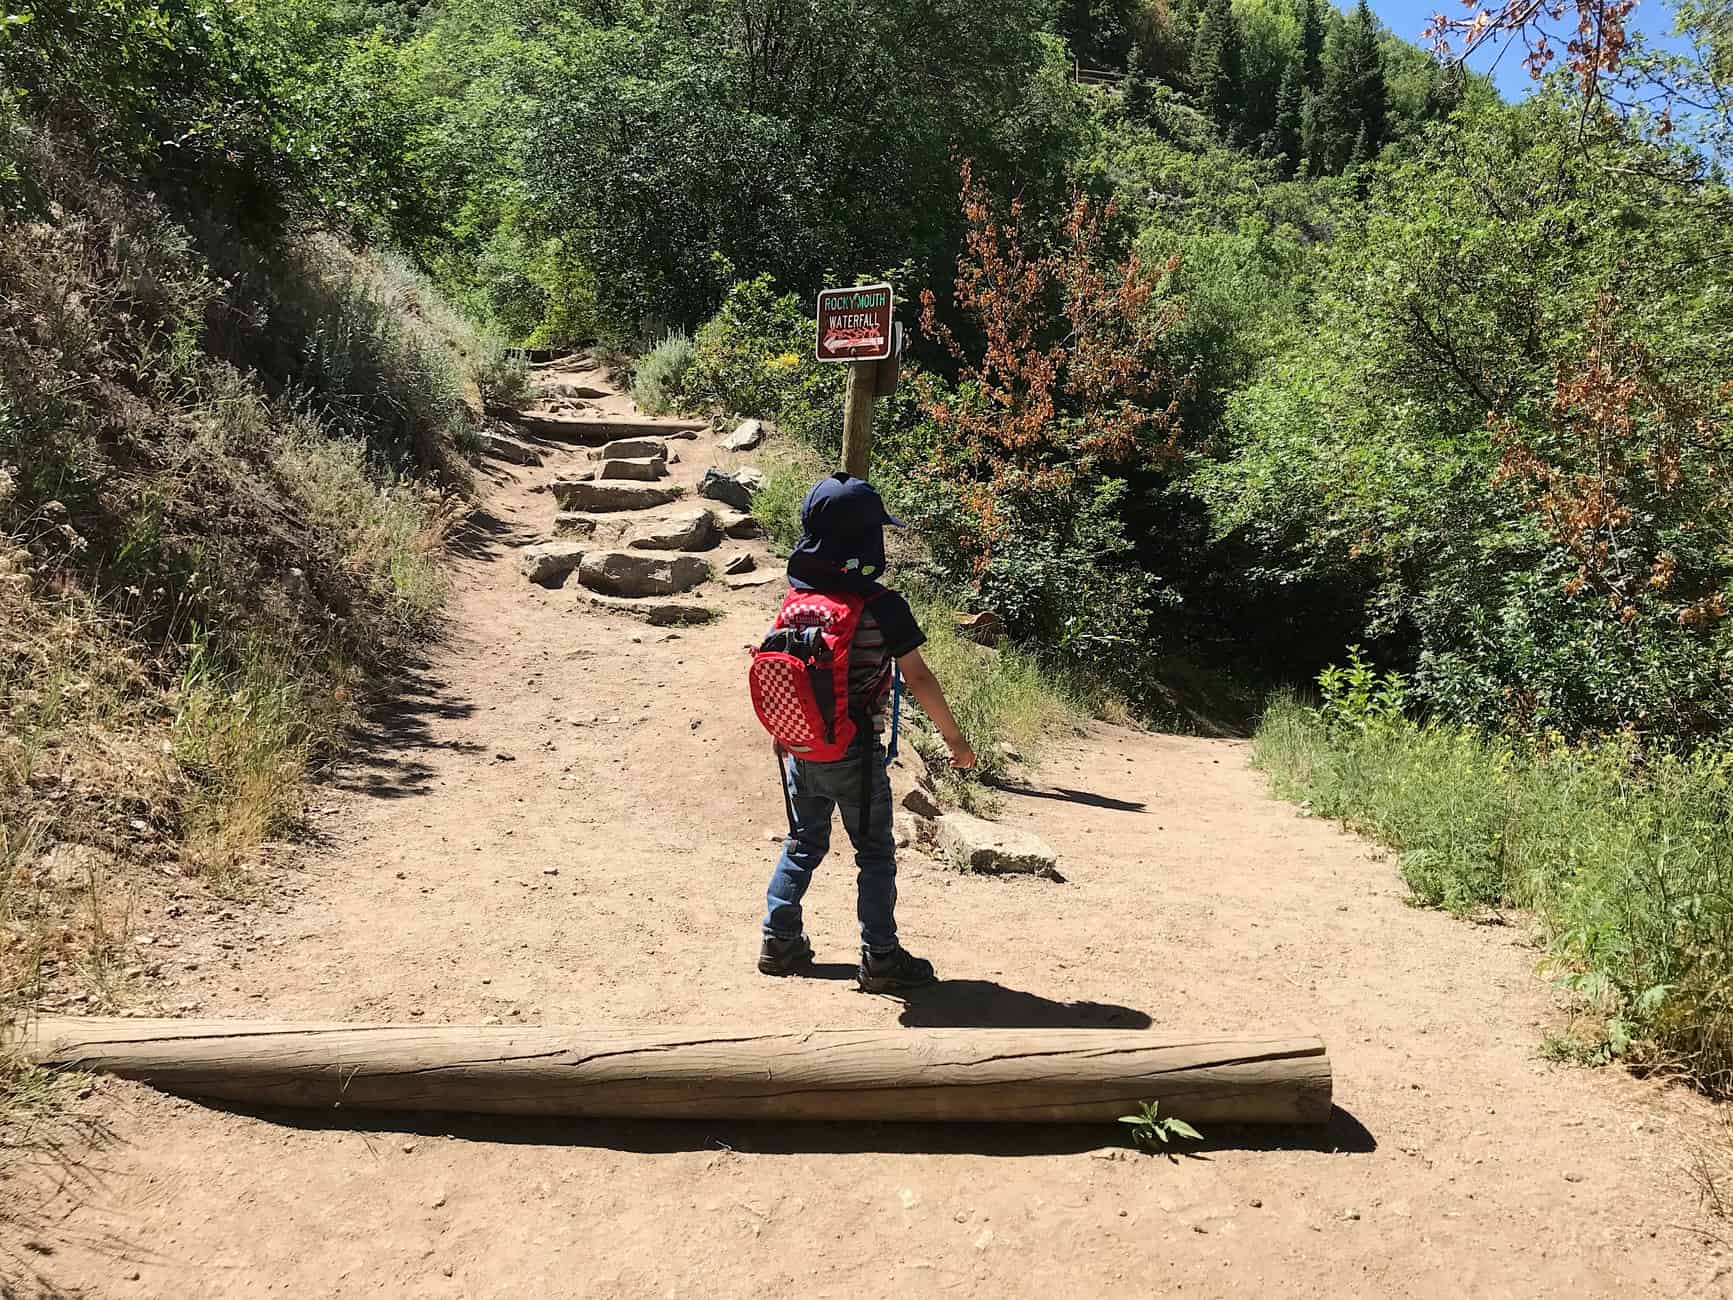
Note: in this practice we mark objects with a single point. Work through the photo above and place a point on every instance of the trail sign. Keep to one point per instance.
(854, 324)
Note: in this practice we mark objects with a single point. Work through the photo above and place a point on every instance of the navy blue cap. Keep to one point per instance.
(842, 534)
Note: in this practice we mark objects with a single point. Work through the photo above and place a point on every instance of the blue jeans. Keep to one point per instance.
(814, 789)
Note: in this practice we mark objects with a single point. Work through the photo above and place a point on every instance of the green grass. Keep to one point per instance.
(1626, 862)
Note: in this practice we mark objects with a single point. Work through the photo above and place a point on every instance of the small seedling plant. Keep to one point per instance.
(1154, 1132)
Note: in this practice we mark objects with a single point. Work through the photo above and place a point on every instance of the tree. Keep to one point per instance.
(1311, 49)
(1069, 389)
(1217, 65)
(1354, 98)
(1285, 143)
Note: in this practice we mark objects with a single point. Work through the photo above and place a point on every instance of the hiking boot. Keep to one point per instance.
(783, 956)
(888, 972)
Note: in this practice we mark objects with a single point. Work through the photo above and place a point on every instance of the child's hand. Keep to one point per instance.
(962, 757)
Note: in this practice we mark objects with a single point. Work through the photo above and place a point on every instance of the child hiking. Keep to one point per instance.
(821, 682)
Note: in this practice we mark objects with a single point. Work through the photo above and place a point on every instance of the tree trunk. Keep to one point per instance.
(1045, 1075)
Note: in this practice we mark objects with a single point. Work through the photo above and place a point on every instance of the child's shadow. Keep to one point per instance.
(986, 1004)
(983, 1004)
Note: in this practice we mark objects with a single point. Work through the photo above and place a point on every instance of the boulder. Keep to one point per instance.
(695, 530)
(631, 449)
(735, 489)
(978, 845)
(742, 528)
(740, 564)
(582, 494)
(645, 469)
(547, 564)
(921, 802)
(639, 573)
(567, 524)
(747, 435)
(518, 453)
(657, 613)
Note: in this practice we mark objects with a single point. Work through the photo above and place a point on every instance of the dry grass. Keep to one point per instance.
(227, 474)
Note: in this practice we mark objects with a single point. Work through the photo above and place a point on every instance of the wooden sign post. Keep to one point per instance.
(856, 326)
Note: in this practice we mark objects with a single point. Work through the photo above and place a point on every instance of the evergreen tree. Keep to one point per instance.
(1354, 98)
(1312, 46)
(1286, 141)
(1217, 71)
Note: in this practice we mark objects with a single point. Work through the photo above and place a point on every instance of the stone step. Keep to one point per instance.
(597, 431)
(547, 564)
(657, 613)
(691, 530)
(645, 470)
(518, 453)
(597, 496)
(641, 573)
(631, 448)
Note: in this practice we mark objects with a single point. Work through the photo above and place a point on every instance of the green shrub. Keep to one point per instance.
(660, 375)
(502, 375)
(1625, 858)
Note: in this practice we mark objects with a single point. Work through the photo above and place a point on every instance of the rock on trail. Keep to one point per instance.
(978, 845)
(639, 573)
(548, 564)
(735, 488)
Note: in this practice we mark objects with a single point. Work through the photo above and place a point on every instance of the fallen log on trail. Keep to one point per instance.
(595, 431)
(1043, 1075)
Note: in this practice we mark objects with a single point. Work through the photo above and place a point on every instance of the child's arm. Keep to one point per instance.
(931, 697)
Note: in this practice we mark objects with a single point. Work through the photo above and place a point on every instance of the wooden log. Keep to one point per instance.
(596, 431)
(1045, 1075)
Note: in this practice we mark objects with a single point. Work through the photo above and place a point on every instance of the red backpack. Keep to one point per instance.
(799, 675)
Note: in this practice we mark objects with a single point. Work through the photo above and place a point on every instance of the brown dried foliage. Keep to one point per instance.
(1069, 376)
(1619, 454)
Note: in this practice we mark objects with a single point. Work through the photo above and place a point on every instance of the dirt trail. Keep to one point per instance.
(547, 737)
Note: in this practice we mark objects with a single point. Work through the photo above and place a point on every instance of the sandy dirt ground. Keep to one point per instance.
(567, 818)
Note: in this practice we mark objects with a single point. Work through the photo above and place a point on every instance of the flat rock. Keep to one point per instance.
(742, 528)
(978, 845)
(645, 469)
(631, 449)
(757, 578)
(694, 530)
(581, 494)
(640, 573)
(657, 613)
(548, 564)
(567, 524)
(735, 488)
(740, 564)
(747, 435)
(518, 453)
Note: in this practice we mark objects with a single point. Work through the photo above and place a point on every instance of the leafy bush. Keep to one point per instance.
(659, 378)
(1625, 858)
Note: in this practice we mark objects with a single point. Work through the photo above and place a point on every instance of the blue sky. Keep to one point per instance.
(1408, 18)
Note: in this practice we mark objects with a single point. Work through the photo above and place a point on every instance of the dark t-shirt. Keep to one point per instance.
(887, 630)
